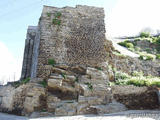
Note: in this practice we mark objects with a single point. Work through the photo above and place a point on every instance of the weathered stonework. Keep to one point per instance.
(79, 81)
(79, 39)
(30, 53)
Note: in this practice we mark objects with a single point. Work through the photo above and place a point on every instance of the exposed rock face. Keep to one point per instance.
(136, 97)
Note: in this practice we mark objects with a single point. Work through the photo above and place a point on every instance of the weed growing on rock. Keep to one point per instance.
(56, 20)
(51, 62)
(63, 75)
(144, 34)
(76, 80)
(43, 83)
(57, 14)
(158, 56)
(136, 79)
(99, 68)
(146, 46)
(90, 87)
(21, 82)
(146, 56)
(48, 14)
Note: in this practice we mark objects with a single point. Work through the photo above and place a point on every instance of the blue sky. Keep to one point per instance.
(123, 17)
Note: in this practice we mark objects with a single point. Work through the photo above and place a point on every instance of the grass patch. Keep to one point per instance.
(58, 14)
(48, 14)
(56, 20)
(63, 75)
(51, 62)
(99, 68)
(148, 53)
(118, 54)
(136, 79)
(144, 34)
(21, 82)
(146, 56)
(43, 83)
(158, 56)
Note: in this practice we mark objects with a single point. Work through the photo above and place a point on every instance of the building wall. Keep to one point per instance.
(30, 53)
(78, 40)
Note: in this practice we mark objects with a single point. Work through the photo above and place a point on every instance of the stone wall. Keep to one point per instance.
(129, 65)
(79, 39)
(28, 52)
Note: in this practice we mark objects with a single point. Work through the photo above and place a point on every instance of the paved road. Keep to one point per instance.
(128, 115)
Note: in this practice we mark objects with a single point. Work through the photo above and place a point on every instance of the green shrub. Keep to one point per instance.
(137, 82)
(129, 45)
(138, 39)
(144, 34)
(57, 14)
(43, 83)
(56, 21)
(137, 49)
(136, 73)
(118, 54)
(131, 49)
(146, 56)
(48, 14)
(148, 50)
(158, 56)
(158, 40)
(21, 82)
(155, 83)
(63, 75)
(136, 79)
(124, 43)
(51, 62)
(121, 82)
(25, 81)
(99, 68)
(121, 75)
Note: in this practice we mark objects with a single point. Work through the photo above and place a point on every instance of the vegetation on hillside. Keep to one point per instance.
(136, 79)
(147, 46)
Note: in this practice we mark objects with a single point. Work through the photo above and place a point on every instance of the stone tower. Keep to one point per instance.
(72, 36)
